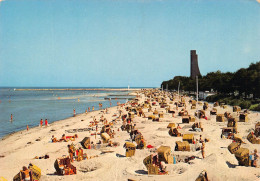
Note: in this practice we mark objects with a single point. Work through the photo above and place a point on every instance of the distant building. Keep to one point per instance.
(194, 67)
(204, 95)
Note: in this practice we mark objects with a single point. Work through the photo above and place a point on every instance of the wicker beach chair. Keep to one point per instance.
(242, 155)
(182, 146)
(130, 149)
(188, 137)
(164, 154)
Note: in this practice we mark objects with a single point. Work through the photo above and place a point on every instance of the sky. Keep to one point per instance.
(116, 43)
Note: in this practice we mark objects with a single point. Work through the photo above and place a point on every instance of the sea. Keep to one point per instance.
(29, 105)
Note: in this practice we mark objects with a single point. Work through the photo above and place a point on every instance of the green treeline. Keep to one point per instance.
(243, 82)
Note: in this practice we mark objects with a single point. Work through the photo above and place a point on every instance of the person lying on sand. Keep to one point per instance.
(63, 138)
(42, 157)
(53, 139)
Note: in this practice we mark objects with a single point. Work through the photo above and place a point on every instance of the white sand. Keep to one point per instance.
(220, 164)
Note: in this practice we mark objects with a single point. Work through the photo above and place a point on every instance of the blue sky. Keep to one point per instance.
(109, 43)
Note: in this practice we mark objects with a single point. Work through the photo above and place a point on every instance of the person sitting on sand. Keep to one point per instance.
(53, 139)
(229, 135)
(155, 160)
(80, 154)
(71, 152)
(162, 166)
(110, 143)
(142, 144)
(197, 147)
(25, 174)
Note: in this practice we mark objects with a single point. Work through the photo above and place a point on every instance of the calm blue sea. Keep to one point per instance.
(28, 107)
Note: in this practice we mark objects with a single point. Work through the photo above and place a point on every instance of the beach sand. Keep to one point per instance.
(19, 149)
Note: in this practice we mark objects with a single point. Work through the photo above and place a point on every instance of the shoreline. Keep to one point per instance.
(80, 89)
(53, 123)
(131, 93)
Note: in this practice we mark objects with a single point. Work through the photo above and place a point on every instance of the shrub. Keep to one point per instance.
(255, 107)
(245, 104)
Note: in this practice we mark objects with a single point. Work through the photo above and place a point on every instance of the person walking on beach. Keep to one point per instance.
(11, 117)
(41, 122)
(201, 140)
(46, 123)
(27, 127)
(93, 108)
(203, 150)
(88, 109)
(74, 112)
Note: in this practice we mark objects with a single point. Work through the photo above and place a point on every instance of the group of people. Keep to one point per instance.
(75, 153)
(25, 174)
(45, 122)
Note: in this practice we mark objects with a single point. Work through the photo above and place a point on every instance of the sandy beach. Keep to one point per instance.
(19, 149)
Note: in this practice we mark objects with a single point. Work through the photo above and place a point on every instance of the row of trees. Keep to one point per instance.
(244, 81)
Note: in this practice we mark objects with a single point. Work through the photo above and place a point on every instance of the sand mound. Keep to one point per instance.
(214, 159)
(89, 167)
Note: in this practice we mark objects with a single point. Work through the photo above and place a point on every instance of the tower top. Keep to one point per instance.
(194, 67)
